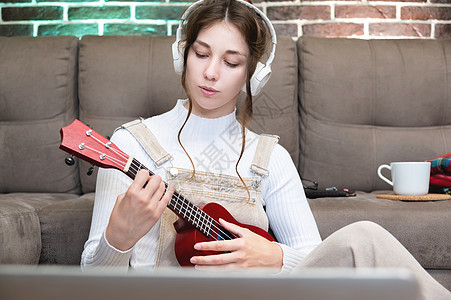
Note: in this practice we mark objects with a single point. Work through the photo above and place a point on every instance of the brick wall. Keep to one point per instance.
(329, 18)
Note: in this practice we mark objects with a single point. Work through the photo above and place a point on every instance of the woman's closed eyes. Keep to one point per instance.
(228, 63)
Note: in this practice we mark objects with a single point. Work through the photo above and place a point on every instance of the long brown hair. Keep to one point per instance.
(255, 33)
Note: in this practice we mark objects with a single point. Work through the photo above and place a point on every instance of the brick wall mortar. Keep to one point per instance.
(319, 17)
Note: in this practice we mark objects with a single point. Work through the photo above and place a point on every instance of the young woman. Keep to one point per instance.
(212, 153)
(214, 158)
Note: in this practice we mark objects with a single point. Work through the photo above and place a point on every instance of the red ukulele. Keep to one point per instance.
(195, 224)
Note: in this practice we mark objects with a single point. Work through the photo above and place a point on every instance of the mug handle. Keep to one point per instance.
(382, 176)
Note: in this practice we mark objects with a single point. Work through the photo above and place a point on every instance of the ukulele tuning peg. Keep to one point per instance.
(70, 161)
(90, 170)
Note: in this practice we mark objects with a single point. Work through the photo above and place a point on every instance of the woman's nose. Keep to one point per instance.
(212, 70)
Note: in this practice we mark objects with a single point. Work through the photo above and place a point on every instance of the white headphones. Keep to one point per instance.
(262, 71)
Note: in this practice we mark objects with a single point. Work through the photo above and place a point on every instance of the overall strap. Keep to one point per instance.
(148, 140)
(262, 154)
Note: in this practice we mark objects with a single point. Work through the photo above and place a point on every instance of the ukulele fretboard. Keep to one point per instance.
(187, 210)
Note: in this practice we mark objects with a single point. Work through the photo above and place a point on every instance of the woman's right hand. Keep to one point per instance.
(137, 211)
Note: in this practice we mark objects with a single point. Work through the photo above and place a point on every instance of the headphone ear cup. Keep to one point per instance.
(260, 78)
(177, 58)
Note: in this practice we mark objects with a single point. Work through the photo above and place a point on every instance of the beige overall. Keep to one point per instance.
(205, 187)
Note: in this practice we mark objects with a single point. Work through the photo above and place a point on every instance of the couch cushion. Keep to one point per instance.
(442, 276)
(20, 231)
(122, 78)
(276, 107)
(368, 102)
(422, 227)
(65, 229)
(37, 98)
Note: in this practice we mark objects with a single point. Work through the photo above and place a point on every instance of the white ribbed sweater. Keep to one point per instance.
(214, 146)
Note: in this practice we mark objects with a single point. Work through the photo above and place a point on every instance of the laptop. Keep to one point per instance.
(71, 283)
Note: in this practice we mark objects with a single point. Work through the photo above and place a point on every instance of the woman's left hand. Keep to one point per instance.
(249, 250)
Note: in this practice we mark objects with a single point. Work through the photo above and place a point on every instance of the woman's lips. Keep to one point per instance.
(208, 91)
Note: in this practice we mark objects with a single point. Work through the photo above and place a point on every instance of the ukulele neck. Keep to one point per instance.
(185, 209)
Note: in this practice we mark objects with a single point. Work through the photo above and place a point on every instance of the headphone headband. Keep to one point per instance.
(262, 71)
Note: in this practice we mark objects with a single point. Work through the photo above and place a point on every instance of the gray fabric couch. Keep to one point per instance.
(342, 107)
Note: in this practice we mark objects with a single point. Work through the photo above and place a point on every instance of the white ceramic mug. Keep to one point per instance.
(408, 178)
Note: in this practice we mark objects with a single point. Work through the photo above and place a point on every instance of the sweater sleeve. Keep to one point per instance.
(288, 211)
(110, 184)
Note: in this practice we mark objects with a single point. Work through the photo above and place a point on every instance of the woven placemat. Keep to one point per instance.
(428, 197)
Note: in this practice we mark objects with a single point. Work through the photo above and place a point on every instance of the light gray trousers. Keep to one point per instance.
(367, 245)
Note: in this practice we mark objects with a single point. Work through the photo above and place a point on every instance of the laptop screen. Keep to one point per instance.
(67, 283)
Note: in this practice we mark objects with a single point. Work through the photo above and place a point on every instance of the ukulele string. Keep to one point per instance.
(218, 231)
(109, 147)
(117, 161)
(116, 151)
